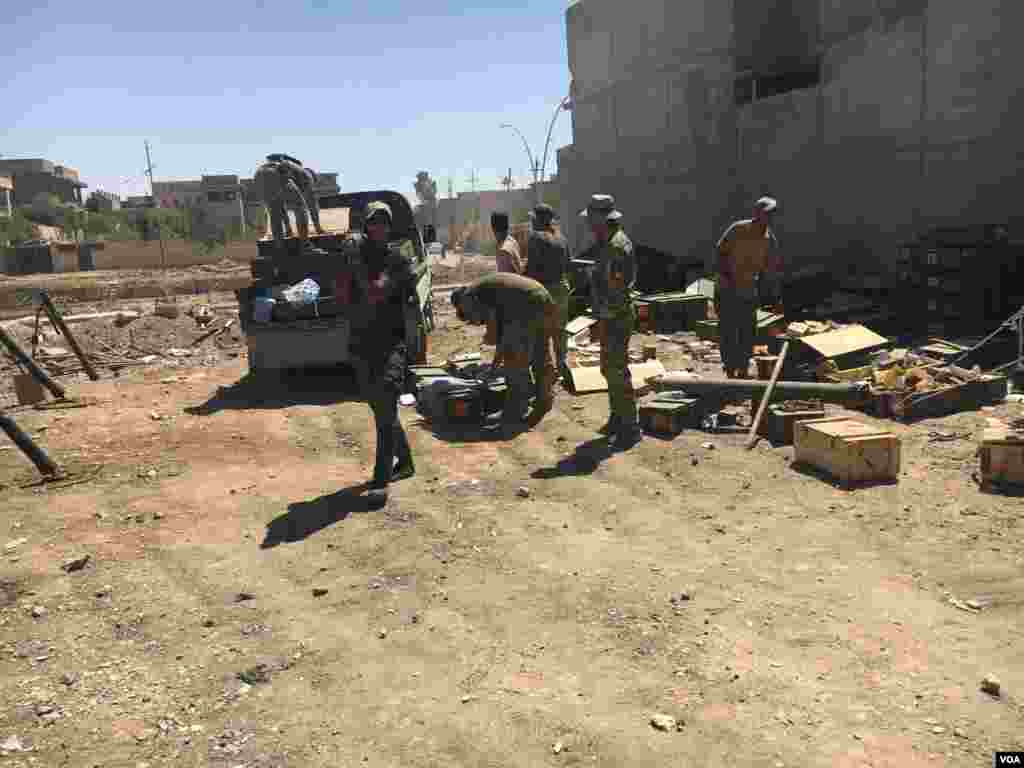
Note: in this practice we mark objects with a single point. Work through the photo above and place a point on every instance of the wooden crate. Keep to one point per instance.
(777, 424)
(848, 450)
(669, 417)
(1002, 457)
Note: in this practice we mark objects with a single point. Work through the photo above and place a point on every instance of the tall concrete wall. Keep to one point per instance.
(914, 123)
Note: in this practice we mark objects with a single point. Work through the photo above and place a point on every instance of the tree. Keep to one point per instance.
(426, 193)
(15, 228)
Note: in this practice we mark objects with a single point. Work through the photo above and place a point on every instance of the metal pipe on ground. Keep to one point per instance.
(59, 324)
(27, 446)
(753, 388)
(40, 375)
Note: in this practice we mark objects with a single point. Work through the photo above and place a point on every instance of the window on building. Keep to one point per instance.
(753, 86)
(213, 197)
(230, 196)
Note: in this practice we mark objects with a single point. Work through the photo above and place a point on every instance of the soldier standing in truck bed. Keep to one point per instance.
(526, 318)
(284, 184)
(547, 262)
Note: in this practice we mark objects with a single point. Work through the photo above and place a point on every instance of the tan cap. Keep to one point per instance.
(602, 205)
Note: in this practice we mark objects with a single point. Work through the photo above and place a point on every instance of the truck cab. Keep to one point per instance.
(319, 334)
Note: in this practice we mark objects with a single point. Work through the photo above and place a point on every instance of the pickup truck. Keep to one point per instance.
(318, 335)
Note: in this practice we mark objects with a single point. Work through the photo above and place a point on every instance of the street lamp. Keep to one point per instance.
(533, 163)
(563, 106)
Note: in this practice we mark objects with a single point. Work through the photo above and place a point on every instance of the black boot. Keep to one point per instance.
(404, 466)
(383, 468)
(610, 427)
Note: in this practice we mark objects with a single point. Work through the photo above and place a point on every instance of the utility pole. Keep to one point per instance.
(152, 194)
(473, 178)
(451, 192)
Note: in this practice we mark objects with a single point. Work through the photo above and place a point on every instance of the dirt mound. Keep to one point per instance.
(150, 333)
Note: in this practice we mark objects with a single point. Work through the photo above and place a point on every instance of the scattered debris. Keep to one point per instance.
(708, 446)
(990, 685)
(38, 612)
(382, 633)
(558, 747)
(75, 565)
(13, 744)
(523, 492)
(319, 592)
(10, 546)
(666, 723)
(241, 597)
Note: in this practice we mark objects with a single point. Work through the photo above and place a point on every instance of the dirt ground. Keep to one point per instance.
(241, 607)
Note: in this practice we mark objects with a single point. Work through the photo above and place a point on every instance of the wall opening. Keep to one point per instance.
(753, 86)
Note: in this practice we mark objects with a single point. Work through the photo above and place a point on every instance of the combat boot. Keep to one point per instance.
(611, 426)
(625, 438)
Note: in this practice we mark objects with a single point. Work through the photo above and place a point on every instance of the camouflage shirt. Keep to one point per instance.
(547, 258)
(614, 275)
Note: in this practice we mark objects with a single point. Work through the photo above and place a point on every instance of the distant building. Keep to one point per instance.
(138, 201)
(224, 200)
(32, 177)
(103, 201)
(467, 207)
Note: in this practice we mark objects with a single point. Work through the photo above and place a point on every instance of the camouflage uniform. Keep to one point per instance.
(379, 345)
(276, 184)
(526, 319)
(613, 280)
(548, 263)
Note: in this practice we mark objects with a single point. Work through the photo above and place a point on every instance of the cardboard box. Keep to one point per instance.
(1002, 457)
(848, 450)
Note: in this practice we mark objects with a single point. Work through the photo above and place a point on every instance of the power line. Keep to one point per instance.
(152, 194)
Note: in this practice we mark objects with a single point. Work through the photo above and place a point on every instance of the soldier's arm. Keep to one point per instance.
(724, 250)
(774, 254)
(294, 188)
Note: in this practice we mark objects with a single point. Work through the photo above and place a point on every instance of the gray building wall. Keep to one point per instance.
(911, 126)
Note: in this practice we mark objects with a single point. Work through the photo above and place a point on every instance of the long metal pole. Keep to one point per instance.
(837, 393)
(152, 194)
(34, 453)
(40, 375)
(547, 142)
(533, 163)
(58, 321)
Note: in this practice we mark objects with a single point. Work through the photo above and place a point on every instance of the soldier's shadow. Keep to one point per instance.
(584, 461)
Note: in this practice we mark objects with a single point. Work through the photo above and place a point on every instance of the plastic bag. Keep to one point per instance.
(305, 292)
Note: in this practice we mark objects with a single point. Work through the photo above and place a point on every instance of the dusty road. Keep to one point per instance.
(240, 607)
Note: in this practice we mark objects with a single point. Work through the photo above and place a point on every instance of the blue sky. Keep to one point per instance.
(374, 91)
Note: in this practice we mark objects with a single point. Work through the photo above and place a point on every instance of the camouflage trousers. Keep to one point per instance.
(525, 349)
(560, 293)
(614, 333)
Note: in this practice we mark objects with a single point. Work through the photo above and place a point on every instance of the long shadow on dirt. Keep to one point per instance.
(312, 387)
(584, 461)
(304, 518)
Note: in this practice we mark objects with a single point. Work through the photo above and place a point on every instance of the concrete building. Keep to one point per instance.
(6, 195)
(870, 121)
(467, 206)
(223, 201)
(103, 201)
(34, 176)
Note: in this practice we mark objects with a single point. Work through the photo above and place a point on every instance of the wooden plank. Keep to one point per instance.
(854, 338)
(752, 436)
(589, 379)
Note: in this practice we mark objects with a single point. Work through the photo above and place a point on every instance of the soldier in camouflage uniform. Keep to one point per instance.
(548, 263)
(284, 184)
(613, 279)
(379, 348)
(526, 319)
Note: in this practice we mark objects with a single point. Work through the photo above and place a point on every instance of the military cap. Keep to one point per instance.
(543, 212)
(767, 204)
(602, 205)
(377, 206)
(278, 157)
